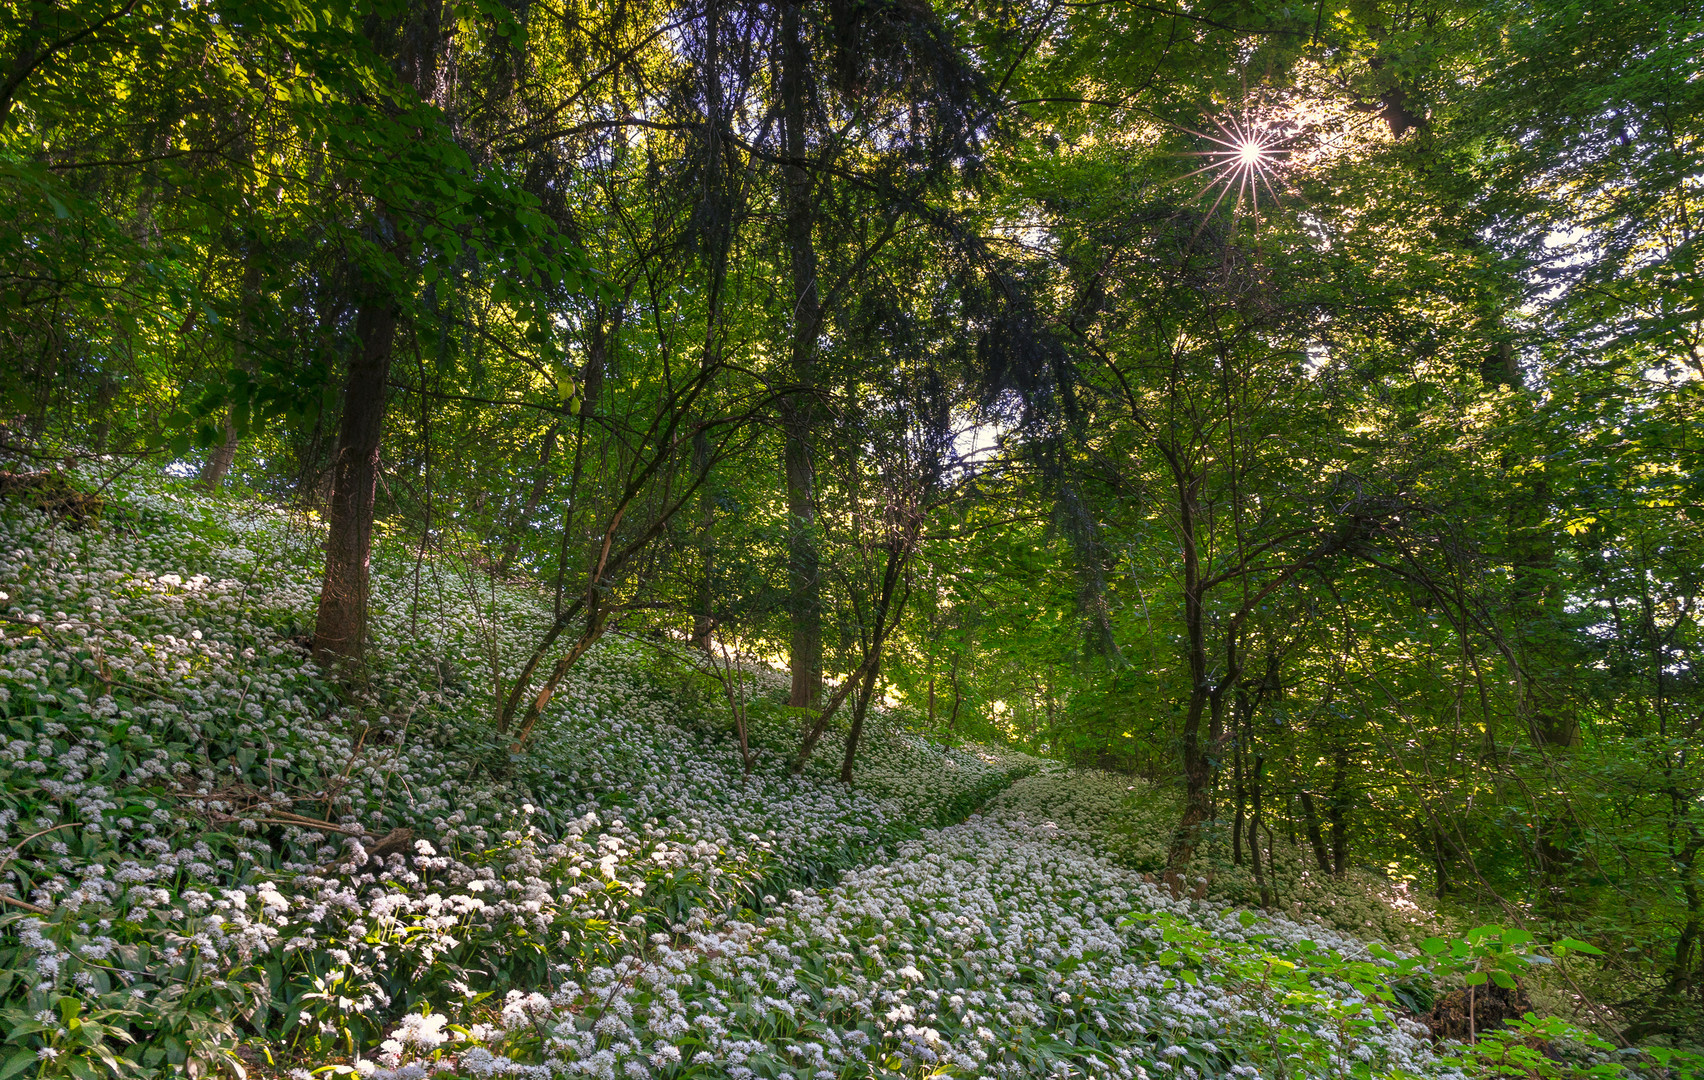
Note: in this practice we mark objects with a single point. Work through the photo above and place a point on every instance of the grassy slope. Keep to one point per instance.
(615, 901)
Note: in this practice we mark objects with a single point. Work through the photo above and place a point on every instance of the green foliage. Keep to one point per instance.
(1346, 507)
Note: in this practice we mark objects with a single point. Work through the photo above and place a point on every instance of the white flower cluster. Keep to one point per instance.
(166, 750)
(993, 948)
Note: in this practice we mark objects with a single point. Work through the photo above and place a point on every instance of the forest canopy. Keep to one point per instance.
(1294, 406)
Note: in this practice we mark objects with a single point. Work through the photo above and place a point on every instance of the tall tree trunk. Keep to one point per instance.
(1441, 862)
(1337, 811)
(718, 212)
(703, 622)
(1316, 838)
(1254, 859)
(1241, 794)
(958, 699)
(340, 627)
(798, 413)
(1197, 770)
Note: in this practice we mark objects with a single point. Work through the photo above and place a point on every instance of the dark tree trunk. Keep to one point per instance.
(1197, 771)
(1337, 811)
(1254, 859)
(1315, 837)
(703, 622)
(1241, 795)
(1441, 863)
(860, 707)
(958, 698)
(340, 627)
(804, 578)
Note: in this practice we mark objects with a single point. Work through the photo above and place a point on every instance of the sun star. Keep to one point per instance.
(1242, 158)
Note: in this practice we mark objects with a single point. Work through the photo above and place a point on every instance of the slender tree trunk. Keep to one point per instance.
(1197, 772)
(958, 696)
(1337, 811)
(703, 623)
(1441, 864)
(1241, 795)
(890, 606)
(1254, 831)
(535, 709)
(340, 627)
(1315, 837)
(1683, 970)
(798, 413)
(860, 707)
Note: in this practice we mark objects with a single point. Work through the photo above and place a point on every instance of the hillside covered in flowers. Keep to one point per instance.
(220, 861)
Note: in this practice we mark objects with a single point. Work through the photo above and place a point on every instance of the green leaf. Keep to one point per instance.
(1476, 978)
(1432, 946)
(17, 1063)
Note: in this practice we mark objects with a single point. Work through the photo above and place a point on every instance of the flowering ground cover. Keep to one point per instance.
(214, 856)
(1003, 946)
(215, 859)
(1130, 821)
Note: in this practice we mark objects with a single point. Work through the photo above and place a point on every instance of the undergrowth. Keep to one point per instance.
(218, 860)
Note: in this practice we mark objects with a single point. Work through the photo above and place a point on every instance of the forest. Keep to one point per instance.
(836, 539)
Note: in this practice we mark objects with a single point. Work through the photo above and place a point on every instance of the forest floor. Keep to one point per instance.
(216, 859)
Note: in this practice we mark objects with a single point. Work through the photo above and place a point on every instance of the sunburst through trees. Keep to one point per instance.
(1246, 156)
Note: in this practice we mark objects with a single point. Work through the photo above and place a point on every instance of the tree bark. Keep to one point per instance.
(1196, 769)
(860, 707)
(219, 462)
(890, 606)
(703, 622)
(1316, 838)
(798, 413)
(1254, 831)
(1338, 811)
(1441, 863)
(104, 396)
(340, 627)
(1240, 795)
